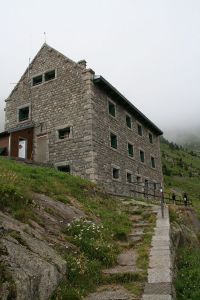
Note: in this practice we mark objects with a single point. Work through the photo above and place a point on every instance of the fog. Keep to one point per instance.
(149, 50)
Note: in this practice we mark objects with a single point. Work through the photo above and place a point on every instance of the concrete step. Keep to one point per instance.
(111, 293)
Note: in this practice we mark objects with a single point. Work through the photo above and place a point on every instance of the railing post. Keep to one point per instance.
(162, 202)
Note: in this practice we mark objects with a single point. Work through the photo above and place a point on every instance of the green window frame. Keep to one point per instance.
(140, 130)
(142, 156)
(23, 113)
(128, 121)
(112, 109)
(115, 173)
(113, 140)
(130, 150)
(153, 163)
(151, 138)
(129, 177)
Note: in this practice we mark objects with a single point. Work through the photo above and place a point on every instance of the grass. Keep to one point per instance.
(188, 275)
(182, 174)
(96, 242)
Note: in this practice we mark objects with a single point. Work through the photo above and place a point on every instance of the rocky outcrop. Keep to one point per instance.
(30, 266)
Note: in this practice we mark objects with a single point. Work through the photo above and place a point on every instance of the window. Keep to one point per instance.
(130, 150)
(111, 108)
(113, 140)
(129, 177)
(153, 165)
(64, 133)
(151, 138)
(128, 121)
(141, 156)
(65, 168)
(115, 173)
(37, 80)
(140, 132)
(49, 75)
(23, 114)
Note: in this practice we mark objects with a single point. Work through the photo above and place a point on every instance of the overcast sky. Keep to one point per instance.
(148, 49)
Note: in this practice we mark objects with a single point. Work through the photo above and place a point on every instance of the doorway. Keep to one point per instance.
(22, 148)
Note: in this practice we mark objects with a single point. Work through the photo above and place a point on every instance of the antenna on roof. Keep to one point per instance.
(29, 61)
(45, 37)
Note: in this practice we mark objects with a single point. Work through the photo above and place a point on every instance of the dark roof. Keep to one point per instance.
(113, 92)
(4, 134)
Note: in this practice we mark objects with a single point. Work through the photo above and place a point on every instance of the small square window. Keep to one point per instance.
(64, 133)
(153, 165)
(113, 140)
(115, 173)
(130, 150)
(140, 131)
(128, 121)
(23, 114)
(141, 156)
(151, 138)
(65, 168)
(111, 108)
(37, 80)
(49, 75)
(129, 177)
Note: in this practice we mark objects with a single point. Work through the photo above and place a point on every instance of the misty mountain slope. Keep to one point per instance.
(181, 169)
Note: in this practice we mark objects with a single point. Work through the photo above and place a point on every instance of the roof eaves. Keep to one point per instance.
(102, 82)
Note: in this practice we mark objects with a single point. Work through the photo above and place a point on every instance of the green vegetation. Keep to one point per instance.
(188, 276)
(95, 238)
(181, 170)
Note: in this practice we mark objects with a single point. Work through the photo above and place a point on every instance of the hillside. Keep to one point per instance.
(62, 238)
(181, 169)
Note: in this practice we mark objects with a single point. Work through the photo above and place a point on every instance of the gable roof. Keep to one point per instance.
(113, 92)
(45, 45)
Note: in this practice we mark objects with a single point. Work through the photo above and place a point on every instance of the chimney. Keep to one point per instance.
(82, 63)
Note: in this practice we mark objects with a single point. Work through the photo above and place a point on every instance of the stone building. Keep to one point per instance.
(61, 113)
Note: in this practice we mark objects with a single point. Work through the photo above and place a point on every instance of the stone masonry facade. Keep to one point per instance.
(78, 100)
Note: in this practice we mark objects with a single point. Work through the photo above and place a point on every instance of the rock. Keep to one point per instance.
(34, 268)
(35, 276)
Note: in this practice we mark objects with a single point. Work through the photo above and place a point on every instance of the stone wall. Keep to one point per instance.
(72, 100)
(61, 102)
(105, 157)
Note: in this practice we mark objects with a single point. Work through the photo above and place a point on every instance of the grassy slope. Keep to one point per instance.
(17, 184)
(182, 174)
